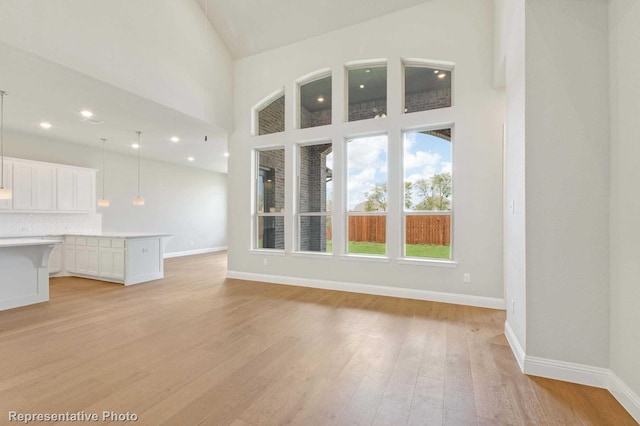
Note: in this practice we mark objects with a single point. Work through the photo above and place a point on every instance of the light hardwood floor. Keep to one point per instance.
(195, 348)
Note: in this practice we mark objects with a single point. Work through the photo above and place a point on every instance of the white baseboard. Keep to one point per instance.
(192, 252)
(567, 371)
(575, 373)
(407, 293)
(625, 396)
(516, 347)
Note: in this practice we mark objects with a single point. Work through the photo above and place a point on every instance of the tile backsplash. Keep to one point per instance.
(42, 224)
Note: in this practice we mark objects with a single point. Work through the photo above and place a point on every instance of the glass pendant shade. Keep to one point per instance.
(102, 202)
(138, 201)
(5, 194)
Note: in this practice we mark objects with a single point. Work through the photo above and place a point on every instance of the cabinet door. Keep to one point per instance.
(82, 260)
(106, 263)
(118, 264)
(70, 258)
(65, 189)
(8, 184)
(84, 191)
(55, 260)
(44, 182)
(23, 186)
(94, 261)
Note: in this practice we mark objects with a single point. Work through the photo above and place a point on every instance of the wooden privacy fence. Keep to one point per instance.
(421, 229)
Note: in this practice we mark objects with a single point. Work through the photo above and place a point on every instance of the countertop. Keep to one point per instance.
(18, 242)
(120, 235)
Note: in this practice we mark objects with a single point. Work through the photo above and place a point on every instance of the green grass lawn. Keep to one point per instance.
(413, 250)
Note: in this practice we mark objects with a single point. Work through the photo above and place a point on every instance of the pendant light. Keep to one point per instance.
(103, 202)
(5, 193)
(138, 201)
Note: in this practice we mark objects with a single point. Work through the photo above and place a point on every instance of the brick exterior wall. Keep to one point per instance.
(273, 160)
(316, 118)
(365, 110)
(424, 101)
(313, 196)
(271, 117)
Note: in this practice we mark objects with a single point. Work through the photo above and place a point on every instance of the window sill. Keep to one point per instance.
(272, 252)
(312, 254)
(378, 259)
(445, 263)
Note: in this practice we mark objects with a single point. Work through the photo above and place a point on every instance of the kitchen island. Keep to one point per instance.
(24, 271)
(126, 258)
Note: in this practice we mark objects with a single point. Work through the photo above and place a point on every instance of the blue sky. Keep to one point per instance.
(424, 156)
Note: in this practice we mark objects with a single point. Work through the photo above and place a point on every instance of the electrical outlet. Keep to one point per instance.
(466, 277)
(265, 262)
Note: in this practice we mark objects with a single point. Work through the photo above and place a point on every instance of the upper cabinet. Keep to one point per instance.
(46, 187)
(8, 183)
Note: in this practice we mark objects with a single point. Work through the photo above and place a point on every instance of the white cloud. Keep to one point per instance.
(367, 152)
(445, 167)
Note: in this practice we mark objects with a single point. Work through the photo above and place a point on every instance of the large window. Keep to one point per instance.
(367, 195)
(270, 193)
(315, 103)
(315, 192)
(367, 92)
(426, 87)
(427, 193)
(271, 117)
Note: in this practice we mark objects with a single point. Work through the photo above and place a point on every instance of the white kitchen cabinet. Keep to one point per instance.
(123, 259)
(34, 186)
(56, 259)
(48, 187)
(8, 184)
(75, 190)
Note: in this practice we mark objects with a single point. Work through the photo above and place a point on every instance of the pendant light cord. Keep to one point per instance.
(138, 132)
(2, 93)
(104, 168)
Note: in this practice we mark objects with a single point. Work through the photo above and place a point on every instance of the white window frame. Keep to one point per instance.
(299, 214)
(405, 212)
(258, 214)
(425, 63)
(255, 112)
(310, 78)
(346, 200)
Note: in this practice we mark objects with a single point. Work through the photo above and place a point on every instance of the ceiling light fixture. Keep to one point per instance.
(367, 70)
(5, 193)
(320, 99)
(135, 145)
(441, 76)
(190, 158)
(436, 71)
(86, 113)
(103, 202)
(226, 154)
(45, 125)
(138, 201)
(175, 139)
(362, 86)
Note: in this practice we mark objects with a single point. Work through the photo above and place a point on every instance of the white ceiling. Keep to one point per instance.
(252, 26)
(40, 90)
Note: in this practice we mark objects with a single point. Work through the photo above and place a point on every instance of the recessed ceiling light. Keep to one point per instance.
(86, 113)
(226, 154)
(367, 70)
(362, 86)
(175, 139)
(45, 125)
(436, 71)
(443, 75)
(190, 158)
(320, 99)
(135, 146)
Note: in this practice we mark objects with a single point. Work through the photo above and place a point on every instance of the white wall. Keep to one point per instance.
(624, 34)
(567, 181)
(459, 31)
(162, 50)
(514, 197)
(186, 202)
